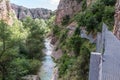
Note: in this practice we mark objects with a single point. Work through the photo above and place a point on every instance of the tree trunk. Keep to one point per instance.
(3, 71)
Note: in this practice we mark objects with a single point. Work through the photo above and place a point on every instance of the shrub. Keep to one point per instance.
(64, 64)
(109, 2)
(66, 20)
(108, 16)
(75, 44)
(56, 30)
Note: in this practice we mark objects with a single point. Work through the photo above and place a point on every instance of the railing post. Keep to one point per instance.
(95, 66)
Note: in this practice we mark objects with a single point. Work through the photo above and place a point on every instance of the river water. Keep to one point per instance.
(47, 68)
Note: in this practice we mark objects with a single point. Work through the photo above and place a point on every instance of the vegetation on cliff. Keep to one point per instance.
(97, 13)
(76, 67)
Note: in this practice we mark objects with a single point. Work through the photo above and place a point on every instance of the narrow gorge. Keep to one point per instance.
(59, 40)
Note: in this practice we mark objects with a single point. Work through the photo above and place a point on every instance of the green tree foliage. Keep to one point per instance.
(109, 2)
(8, 49)
(84, 5)
(93, 16)
(80, 18)
(109, 11)
(56, 30)
(35, 39)
(75, 42)
(21, 48)
(50, 23)
(64, 64)
(76, 68)
(18, 68)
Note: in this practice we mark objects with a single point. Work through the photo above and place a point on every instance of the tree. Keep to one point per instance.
(3, 40)
(35, 39)
(8, 49)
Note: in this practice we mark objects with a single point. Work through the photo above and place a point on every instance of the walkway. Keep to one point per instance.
(105, 66)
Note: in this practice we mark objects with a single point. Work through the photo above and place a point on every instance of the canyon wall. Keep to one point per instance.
(67, 8)
(6, 12)
(23, 12)
(116, 30)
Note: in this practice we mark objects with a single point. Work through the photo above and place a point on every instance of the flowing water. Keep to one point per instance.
(47, 68)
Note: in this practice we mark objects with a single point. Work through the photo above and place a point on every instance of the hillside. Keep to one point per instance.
(75, 33)
(23, 12)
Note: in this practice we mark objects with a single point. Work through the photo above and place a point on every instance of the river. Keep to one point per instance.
(47, 69)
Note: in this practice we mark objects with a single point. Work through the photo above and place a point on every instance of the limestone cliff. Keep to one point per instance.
(67, 8)
(116, 30)
(23, 12)
(6, 12)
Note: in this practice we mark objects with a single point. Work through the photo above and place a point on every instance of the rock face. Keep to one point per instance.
(6, 12)
(116, 30)
(23, 12)
(67, 8)
(90, 2)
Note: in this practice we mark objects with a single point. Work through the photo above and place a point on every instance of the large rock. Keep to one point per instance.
(116, 30)
(23, 12)
(6, 12)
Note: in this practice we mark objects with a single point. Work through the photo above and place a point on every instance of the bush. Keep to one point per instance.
(75, 44)
(63, 35)
(21, 48)
(80, 18)
(18, 68)
(64, 64)
(97, 13)
(109, 2)
(84, 5)
(56, 30)
(34, 66)
(108, 16)
(35, 39)
(66, 20)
